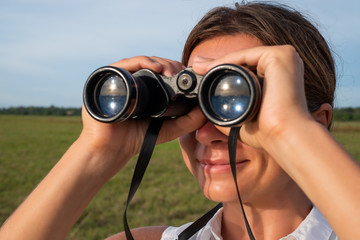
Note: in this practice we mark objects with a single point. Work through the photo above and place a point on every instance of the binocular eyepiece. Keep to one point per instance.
(228, 95)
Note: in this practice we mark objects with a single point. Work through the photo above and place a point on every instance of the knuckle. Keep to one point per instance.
(290, 52)
(285, 54)
(145, 59)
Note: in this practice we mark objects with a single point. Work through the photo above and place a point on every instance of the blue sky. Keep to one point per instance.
(49, 48)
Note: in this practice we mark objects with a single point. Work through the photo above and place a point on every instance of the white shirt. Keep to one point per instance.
(314, 227)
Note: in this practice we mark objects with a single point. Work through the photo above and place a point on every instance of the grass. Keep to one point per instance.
(30, 146)
(348, 134)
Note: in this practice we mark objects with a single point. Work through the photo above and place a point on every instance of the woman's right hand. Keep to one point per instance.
(118, 142)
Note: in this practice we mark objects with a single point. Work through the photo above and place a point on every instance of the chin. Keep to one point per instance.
(220, 191)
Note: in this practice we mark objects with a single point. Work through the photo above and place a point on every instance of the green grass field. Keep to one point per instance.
(31, 145)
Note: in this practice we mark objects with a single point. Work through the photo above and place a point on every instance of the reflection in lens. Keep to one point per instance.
(229, 96)
(112, 96)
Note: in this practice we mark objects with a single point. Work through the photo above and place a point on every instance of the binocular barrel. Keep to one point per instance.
(228, 95)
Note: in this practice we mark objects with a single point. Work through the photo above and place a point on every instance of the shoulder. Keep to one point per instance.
(148, 233)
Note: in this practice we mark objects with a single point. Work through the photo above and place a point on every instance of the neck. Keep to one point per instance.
(271, 219)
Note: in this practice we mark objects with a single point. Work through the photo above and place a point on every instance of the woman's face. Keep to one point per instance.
(206, 151)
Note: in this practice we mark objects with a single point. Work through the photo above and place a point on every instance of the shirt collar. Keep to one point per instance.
(212, 230)
(314, 226)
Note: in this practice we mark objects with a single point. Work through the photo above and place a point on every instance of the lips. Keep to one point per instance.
(219, 165)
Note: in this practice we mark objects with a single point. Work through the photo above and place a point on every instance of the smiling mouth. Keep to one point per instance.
(223, 167)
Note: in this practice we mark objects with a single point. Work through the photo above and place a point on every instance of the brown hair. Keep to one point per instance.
(274, 24)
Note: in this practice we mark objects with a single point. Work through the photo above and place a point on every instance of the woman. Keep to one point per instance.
(289, 168)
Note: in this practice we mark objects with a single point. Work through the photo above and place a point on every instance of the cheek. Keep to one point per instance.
(188, 147)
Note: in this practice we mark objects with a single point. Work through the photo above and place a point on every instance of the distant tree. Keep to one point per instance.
(42, 111)
(346, 114)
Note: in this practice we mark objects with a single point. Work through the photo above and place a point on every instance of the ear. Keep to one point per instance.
(323, 115)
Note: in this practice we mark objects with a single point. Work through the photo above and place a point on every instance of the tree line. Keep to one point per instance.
(340, 114)
(41, 111)
(346, 114)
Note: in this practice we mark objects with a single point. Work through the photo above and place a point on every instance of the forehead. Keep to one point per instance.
(219, 46)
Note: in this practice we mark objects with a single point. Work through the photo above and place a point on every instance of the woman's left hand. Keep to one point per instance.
(283, 95)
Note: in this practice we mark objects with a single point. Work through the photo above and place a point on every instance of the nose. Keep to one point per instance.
(208, 135)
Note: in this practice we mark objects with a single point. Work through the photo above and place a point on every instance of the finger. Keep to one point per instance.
(170, 67)
(250, 57)
(136, 63)
(182, 125)
(246, 57)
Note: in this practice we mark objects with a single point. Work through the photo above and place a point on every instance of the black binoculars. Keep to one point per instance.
(228, 94)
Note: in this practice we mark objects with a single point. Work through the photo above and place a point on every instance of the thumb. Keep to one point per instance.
(248, 133)
(174, 128)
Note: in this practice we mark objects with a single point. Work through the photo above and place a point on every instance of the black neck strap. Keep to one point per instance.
(233, 136)
(198, 224)
(146, 151)
(143, 161)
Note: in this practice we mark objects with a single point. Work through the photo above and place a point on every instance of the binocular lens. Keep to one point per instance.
(229, 96)
(112, 95)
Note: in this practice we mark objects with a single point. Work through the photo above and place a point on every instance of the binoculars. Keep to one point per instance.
(228, 94)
